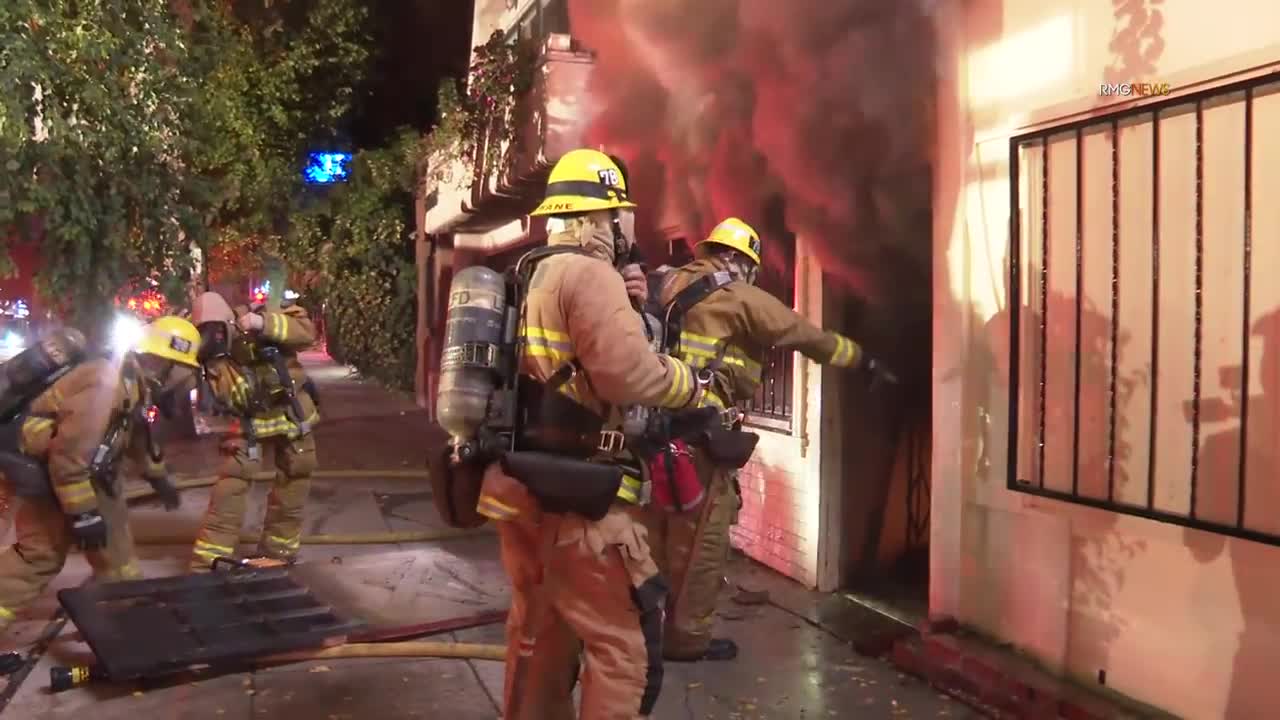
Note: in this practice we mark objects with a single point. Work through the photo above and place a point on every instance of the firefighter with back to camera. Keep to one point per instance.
(715, 318)
(535, 371)
(250, 371)
(69, 422)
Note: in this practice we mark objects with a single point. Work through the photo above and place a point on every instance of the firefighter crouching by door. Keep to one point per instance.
(250, 370)
(583, 580)
(716, 318)
(62, 446)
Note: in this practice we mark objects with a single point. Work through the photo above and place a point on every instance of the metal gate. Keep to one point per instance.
(149, 628)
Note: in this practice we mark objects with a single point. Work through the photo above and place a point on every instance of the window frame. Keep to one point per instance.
(1018, 472)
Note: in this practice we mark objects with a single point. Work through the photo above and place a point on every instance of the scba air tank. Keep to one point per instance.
(32, 370)
(470, 363)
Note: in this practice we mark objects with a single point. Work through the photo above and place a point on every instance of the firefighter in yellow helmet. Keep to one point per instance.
(62, 453)
(582, 586)
(717, 319)
(250, 371)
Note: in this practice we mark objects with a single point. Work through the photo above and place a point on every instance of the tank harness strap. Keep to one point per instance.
(683, 302)
(102, 467)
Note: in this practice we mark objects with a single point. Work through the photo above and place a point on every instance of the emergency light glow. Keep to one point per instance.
(326, 168)
(152, 413)
(126, 333)
(12, 340)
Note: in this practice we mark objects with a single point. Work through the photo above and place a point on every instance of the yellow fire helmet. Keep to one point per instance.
(172, 338)
(738, 235)
(584, 180)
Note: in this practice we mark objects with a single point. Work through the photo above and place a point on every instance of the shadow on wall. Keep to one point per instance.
(1253, 686)
(1137, 42)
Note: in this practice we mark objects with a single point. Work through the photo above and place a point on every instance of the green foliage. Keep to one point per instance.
(132, 129)
(356, 245)
(477, 126)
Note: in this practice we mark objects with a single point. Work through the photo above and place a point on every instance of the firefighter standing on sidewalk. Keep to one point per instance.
(731, 326)
(582, 586)
(78, 429)
(251, 372)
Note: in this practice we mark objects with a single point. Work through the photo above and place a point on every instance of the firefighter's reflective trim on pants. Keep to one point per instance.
(701, 349)
(280, 423)
(35, 434)
(288, 545)
(527, 646)
(206, 550)
(553, 344)
(7, 615)
(495, 509)
(682, 382)
(74, 494)
(128, 571)
(846, 353)
(631, 490)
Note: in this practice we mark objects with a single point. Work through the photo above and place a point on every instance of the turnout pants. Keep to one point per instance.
(43, 541)
(692, 549)
(580, 589)
(294, 461)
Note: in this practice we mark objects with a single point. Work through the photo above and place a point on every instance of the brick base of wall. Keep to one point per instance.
(773, 526)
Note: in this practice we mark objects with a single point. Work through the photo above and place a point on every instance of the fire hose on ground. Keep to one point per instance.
(376, 538)
(64, 678)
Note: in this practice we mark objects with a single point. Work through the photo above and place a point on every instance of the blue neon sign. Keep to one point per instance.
(326, 168)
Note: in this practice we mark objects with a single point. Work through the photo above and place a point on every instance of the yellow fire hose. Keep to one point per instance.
(377, 538)
(410, 648)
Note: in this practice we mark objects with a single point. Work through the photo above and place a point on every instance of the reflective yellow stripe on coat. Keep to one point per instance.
(699, 350)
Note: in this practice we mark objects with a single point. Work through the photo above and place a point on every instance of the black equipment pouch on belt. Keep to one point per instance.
(26, 475)
(730, 448)
(564, 484)
(455, 488)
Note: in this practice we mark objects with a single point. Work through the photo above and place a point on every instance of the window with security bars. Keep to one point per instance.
(1145, 371)
(771, 407)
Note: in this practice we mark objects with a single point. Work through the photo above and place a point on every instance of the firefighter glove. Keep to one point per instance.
(89, 530)
(880, 373)
(250, 322)
(166, 491)
(637, 282)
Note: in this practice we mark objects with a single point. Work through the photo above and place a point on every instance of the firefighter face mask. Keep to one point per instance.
(215, 340)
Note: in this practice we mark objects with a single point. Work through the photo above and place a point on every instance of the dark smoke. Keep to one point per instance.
(797, 115)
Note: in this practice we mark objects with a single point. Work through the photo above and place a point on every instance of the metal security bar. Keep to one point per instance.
(1205, 492)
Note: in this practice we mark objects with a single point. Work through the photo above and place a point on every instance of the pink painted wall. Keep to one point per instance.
(1183, 619)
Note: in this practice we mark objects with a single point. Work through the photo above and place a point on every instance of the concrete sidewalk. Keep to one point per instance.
(793, 665)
